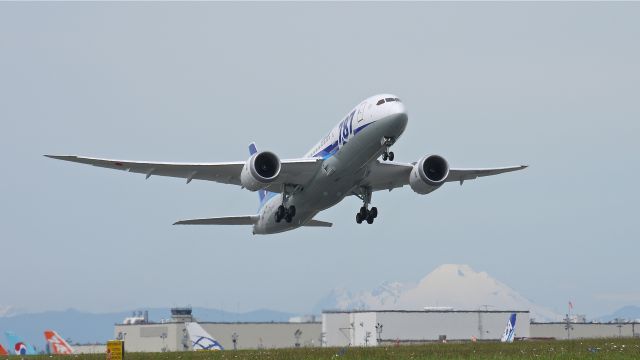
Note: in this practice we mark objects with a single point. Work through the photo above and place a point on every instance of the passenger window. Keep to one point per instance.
(390, 99)
(380, 102)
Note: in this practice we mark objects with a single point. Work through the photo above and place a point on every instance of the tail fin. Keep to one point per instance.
(263, 194)
(3, 352)
(509, 331)
(57, 344)
(200, 338)
(19, 347)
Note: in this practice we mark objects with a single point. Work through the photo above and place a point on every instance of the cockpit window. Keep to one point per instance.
(380, 102)
(389, 99)
(397, 99)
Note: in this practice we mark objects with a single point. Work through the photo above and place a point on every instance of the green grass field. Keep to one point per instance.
(575, 349)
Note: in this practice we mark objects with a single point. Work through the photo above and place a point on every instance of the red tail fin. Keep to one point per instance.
(57, 345)
(3, 351)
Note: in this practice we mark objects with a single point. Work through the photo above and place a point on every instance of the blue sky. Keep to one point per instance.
(552, 85)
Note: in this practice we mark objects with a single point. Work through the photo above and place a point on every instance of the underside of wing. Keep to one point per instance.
(388, 176)
(470, 174)
(225, 220)
(293, 171)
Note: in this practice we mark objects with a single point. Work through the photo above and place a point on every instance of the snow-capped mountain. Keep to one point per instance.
(449, 285)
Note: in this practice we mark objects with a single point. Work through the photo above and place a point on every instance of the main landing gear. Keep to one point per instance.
(387, 154)
(286, 212)
(366, 214)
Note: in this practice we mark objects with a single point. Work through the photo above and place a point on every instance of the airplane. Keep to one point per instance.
(3, 351)
(19, 347)
(200, 338)
(343, 163)
(57, 345)
(509, 331)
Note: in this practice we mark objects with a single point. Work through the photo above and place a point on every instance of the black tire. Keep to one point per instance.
(363, 212)
(292, 211)
(278, 218)
(369, 219)
(384, 156)
(373, 212)
(281, 212)
(358, 218)
(288, 218)
(391, 156)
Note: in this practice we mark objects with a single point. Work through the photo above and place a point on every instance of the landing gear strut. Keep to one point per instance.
(387, 154)
(366, 214)
(286, 212)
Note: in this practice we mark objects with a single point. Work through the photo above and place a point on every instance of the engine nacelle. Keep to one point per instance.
(260, 170)
(428, 174)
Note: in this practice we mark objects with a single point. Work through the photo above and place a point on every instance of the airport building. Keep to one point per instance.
(356, 328)
(369, 328)
(171, 335)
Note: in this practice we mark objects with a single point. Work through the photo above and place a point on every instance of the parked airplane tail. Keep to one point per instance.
(3, 351)
(18, 346)
(57, 345)
(509, 331)
(200, 338)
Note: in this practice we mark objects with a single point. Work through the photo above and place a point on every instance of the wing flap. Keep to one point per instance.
(225, 220)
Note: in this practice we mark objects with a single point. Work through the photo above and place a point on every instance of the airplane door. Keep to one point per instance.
(361, 112)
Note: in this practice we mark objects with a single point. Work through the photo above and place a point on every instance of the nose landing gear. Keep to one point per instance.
(387, 154)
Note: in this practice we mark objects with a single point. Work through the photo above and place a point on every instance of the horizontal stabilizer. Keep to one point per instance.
(225, 220)
(318, 223)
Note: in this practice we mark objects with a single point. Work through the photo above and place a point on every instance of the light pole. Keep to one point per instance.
(379, 332)
(568, 326)
(163, 336)
(234, 339)
(297, 335)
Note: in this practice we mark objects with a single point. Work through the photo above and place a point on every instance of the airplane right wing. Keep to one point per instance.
(225, 220)
(388, 176)
(293, 171)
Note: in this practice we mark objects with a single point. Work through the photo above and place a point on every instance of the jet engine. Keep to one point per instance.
(260, 170)
(428, 174)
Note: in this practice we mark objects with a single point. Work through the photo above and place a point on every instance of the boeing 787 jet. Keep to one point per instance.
(343, 163)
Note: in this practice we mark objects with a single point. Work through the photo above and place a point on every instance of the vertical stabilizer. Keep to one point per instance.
(510, 330)
(3, 351)
(200, 339)
(57, 344)
(18, 346)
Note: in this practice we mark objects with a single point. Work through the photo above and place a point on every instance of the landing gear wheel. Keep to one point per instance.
(384, 156)
(292, 211)
(278, 218)
(288, 218)
(363, 212)
(373, 212)
(358, 218)
(369, 219)
(391, 156)
(281, 211)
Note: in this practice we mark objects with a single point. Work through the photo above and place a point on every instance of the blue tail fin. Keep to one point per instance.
(510, 330)
(18, 346)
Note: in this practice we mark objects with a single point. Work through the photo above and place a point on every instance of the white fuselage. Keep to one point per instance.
(348, 150)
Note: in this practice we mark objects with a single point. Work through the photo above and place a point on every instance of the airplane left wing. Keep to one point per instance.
(390, 175)
(293, 171)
